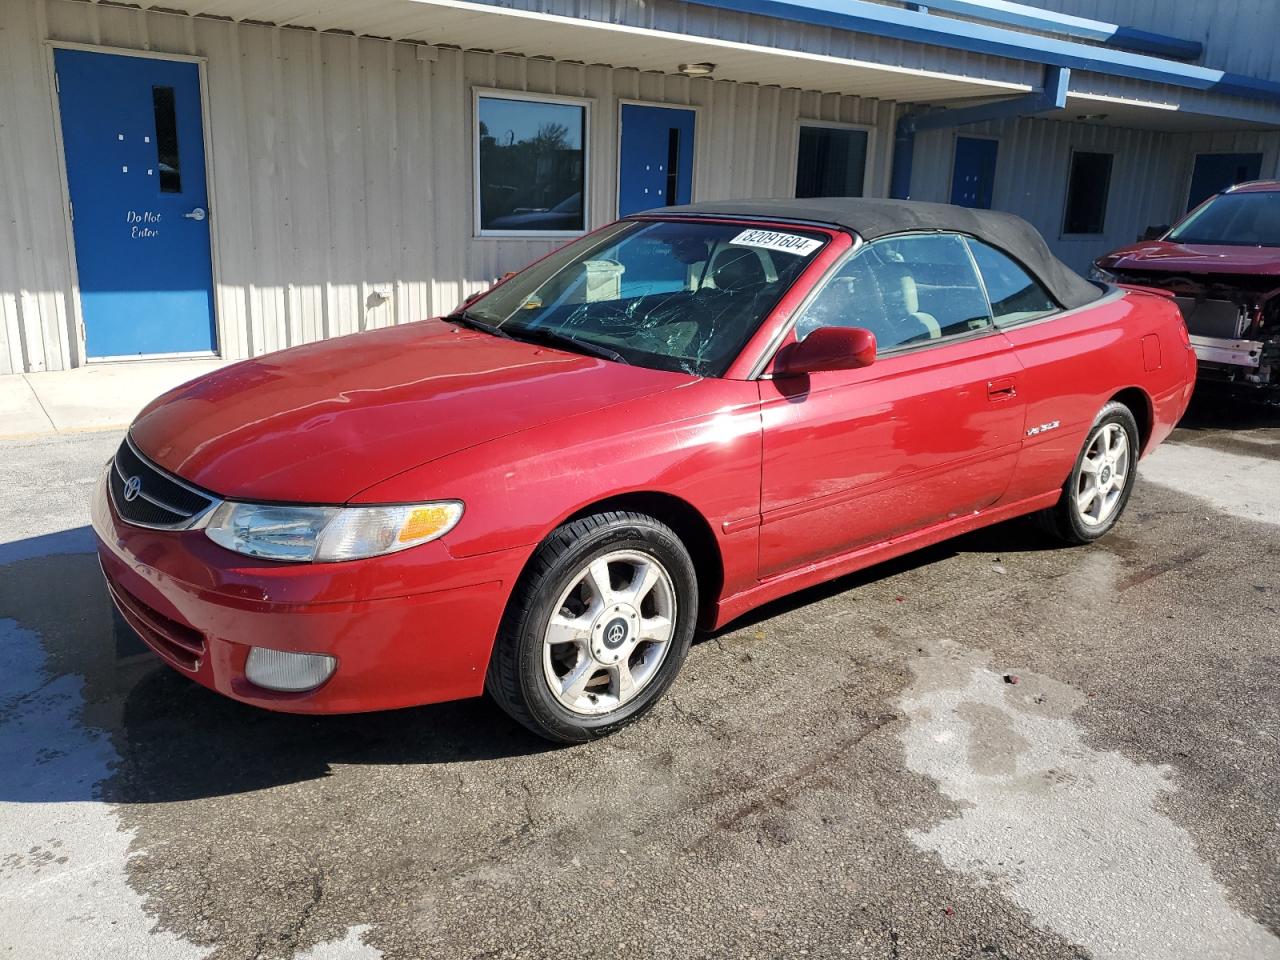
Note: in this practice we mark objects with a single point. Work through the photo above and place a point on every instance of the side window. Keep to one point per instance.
(906, 290)
(1015, 295)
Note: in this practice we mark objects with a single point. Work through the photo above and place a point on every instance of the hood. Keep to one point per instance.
(1166, 257)
(320, 423)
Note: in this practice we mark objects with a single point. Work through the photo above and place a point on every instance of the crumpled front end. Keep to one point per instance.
(1233, 320)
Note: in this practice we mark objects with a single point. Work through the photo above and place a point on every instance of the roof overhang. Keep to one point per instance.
(503, 30)
(967, 63)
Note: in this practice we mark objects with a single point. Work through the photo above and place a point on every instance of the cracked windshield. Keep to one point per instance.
(671, 295)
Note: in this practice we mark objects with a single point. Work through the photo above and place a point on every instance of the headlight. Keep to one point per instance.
(325, 534)
(1100, 275)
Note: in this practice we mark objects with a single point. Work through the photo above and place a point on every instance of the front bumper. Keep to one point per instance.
(1236, 353)
(406, 629)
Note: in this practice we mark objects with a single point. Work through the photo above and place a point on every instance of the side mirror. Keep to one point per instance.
(828, 348)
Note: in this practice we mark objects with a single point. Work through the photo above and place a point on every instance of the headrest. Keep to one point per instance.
(736, 269)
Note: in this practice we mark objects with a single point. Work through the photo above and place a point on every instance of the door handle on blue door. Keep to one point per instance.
(196, 214)
(1002, 389)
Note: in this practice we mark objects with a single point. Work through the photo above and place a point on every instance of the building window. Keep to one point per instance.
(832, 161)
(1087, 190)
(531, 165)
(167, 160)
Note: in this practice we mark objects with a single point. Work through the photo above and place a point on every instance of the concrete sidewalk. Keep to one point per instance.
(95, 397)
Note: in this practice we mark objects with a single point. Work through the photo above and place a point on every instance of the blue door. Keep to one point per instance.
(973, 178)
(134, 144)
(1215, 172)
(655, 166)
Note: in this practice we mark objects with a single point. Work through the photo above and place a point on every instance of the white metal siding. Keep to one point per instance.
(1150, 174)
(1241, 40)
(35, 277)
(342, 169)
(342, 166)
(685, 18)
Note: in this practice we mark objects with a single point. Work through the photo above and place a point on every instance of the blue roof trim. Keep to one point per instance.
(1034, 18)
(1052, 96)
(879, 20)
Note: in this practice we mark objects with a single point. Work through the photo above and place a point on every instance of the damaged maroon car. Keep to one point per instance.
(1221, 263)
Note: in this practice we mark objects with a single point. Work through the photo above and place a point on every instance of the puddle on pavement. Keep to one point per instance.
(75, 685)
(63, 879)
(1072, 834)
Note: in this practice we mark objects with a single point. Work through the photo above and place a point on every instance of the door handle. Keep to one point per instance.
(1002, 389)
(196, 214)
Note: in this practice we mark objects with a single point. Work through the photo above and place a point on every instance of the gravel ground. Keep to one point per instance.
(851, 772)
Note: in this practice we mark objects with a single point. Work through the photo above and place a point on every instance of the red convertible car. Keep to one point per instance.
(657, 427)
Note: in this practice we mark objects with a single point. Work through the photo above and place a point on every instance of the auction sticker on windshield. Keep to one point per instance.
(781, 242)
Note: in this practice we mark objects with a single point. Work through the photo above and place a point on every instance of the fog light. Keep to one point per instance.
(289, 672)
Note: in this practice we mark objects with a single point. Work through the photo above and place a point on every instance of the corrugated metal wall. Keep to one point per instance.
(690, 19)
(35, 274)
(1238, 35)
(1150, 175)
(342, 169)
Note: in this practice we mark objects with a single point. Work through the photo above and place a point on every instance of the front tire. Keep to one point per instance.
(597, 627)
(1096, 493)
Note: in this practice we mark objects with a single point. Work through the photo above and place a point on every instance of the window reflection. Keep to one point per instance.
(531, 164)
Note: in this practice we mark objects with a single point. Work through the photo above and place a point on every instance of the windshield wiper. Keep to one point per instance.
(464, 319)
(573, 344)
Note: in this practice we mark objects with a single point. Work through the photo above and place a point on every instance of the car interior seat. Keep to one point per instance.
(735, 270)
(903, 298)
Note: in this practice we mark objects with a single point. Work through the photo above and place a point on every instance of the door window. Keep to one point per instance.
(168, 163)
(906, 290)
(1014, 294)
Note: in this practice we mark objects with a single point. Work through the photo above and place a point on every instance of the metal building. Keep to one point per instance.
(240, 176)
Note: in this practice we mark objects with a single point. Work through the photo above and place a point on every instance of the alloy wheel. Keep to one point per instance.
(1103, 474)
(609, 632)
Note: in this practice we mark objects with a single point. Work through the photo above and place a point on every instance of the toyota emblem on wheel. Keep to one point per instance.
(615, 634)
(132, 487)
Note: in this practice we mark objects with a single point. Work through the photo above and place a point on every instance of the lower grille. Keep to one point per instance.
(146, 496)
(181, 646)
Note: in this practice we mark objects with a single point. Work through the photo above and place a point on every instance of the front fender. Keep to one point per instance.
(700, 443)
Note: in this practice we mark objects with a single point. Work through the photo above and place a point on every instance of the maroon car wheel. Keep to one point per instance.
(597, 627)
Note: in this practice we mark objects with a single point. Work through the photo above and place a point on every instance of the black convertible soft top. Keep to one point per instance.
(872, 219)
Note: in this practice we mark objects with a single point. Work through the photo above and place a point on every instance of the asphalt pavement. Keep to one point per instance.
(994, 748)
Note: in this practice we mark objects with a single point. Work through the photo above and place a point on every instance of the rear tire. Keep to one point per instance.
(597, 627)
(1096, 493)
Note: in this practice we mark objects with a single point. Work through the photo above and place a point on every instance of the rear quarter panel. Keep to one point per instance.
(1074, 363)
